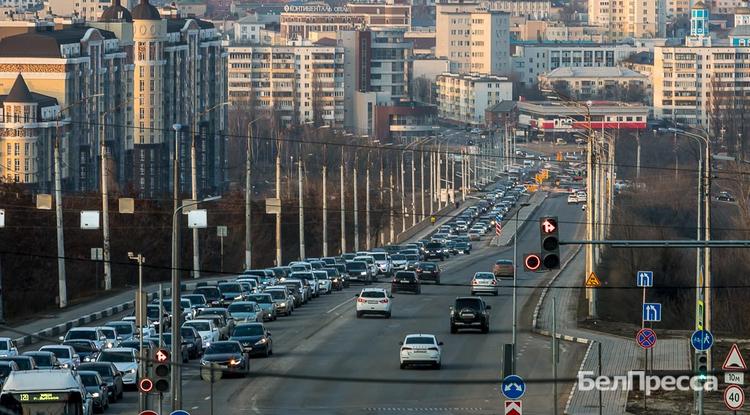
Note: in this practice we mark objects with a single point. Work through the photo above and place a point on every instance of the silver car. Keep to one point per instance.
(484, 282)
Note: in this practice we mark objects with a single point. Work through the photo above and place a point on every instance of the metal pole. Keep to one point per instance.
(248, 198)
(382, 195)
(599, 347)
(343, 204)
(453, 179)
(301, 210)
(432, 183)
(554, 354)
(413, 195)
(590, 215)
(421, 182)
(194, 195)
(161, 306)
(105, 209)
(221, 254)
(638, 156)
(515, 286)
(707, 251)
(356, 212)
(325, 201)
(141, 351)
(390, 210)
(278, 214)
(463, 174)
(176, 379)
(62, 285)
(403, 205)
(368, 240)
(438, 182)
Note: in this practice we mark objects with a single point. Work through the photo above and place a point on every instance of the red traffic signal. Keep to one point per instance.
(162, 355)
(549, 225)
(146, 385)
(532, 262)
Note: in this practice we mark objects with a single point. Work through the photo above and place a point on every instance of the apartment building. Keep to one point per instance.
(697, 81)
(629, 18)
(298, 21)
(127, 79)
(606, 82)
(464, 98)
(530, 9)
(89, 10)
(302, 81)
(475, 40)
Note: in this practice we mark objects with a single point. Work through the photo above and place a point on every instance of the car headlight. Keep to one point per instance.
(261, 342)
(109, 345)
(363, 273)
(282, 305)
(204, 362)
(95, 394)
(239, 297)
(132, 370)
(235, 362)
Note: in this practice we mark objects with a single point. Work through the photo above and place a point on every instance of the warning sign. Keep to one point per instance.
(734, 360)
(593, 281)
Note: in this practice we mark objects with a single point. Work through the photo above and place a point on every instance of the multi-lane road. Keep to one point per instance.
(326, 361)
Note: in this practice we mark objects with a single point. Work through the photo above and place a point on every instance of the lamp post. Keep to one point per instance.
(176, 380)
(515, 284)
(248, 195)
(140, 259)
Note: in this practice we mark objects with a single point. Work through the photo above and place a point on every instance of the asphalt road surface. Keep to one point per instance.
(326, 361)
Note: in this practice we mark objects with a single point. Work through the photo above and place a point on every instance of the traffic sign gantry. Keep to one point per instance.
(644, 278)
(734, 397)
(702, 340)
(646, 338)
(513, 387)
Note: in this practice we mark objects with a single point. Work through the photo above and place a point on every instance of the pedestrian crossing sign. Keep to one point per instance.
(593, 281)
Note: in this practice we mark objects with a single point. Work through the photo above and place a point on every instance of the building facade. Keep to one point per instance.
(298, 21)
(586, 82)
(89, 10)
(464, 98)
(475, 40)
(556, 117)
(530, 9)
(629, 18)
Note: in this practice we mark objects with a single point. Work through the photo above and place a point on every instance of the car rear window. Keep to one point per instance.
(419, 340)
(373, 294)
(467, 303)
(356, 266)
(484, 276)
(405, 276)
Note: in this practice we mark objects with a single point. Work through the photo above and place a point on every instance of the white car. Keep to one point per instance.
(572, 198)
(324, 284)
(398, 261)
(66, 355)
(370, 264)
(484, 282)
(206, 328)
(373, 301)
(125, 360)
(383, 262)
(420, 349)
(581, 196)
(7, 347)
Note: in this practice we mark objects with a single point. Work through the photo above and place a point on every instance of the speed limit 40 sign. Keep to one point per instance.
(734, 397)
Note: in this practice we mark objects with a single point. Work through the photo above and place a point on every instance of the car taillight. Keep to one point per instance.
(405, 349)
(474, 282)
(361, 300)
(384, 301)
(433, 348)
(494, 282)
(394, 281)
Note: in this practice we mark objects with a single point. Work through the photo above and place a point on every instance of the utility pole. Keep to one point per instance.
(325, 201)
(637, 156)
(438, 181)
(453, 178)
(301, 210)
(707, 251)
(278, 214)
(176, 379)
(591, 292)
(367, 203)
(413, 195)
(392, 239)
(382, 196)
(343, 204)
(105, 206)
(403, 205)
(421, 182)
(356, 212)
(248, 198)
(463, 174)
(432, 183)
(62, 285)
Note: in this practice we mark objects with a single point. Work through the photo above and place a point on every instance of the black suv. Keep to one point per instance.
(406, 281)
(434, 250)
(470, 313)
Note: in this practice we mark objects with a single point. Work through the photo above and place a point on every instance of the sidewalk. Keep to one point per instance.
(619, 355)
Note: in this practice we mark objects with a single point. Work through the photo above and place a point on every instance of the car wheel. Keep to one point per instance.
(119, 395)
(388, 315)
(359, 314)
(454, 329)
(437, 366)
(403, 366)
(442, 259)
(437, 281)
(486, 329)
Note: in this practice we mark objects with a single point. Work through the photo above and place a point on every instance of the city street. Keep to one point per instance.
(350, 365)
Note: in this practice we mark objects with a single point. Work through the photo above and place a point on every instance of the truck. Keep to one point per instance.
(503, 268)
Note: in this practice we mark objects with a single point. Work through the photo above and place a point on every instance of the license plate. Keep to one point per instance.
(420, 351)
(405, 282)
(372, 302)
(467, 315)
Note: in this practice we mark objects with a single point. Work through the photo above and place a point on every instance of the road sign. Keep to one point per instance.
(162, 355)
(221, 231)
(273, 205)
(179, 412)
(734, 360)
(148, 413)
(513, 407)
(651, 312)
(737, 378)
(734, 397)
(644, 278)
(145, 385)
(532, 262)
(646, 338)
(593, 281)
(702, 340)
(699, 312)
(513, 387)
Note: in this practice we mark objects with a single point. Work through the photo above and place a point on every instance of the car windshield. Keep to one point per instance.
(196, 299)
(249, 330)
(222, 348)
(4, 345)
(261, 298)
(82, 334)
(241, 307)
(109, 334)
(84, 347)
(412, 257)
(123, 329)
(199, 325)
(230, 288)
(434, 245)
(89, 380)
(23, 364)
(103, 370)
(398, 257)
(208, 292)
(467, 303)
(372, 294)
(187, 333)
(419, 340)
(379, 256)
(116, 357)
(277, 295)
(484, 276)
(153, 312)
(356, 266)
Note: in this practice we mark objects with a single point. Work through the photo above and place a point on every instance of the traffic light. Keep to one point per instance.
(702, 365)
(161, 370)
(550, 252)
(531, 262)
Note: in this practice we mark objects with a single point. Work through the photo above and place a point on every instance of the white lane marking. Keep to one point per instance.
(342, 304)
(207, 398)
(195, 407)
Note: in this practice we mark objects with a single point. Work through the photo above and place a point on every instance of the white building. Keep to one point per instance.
(463, 98)
(629, 18)
(302, 82)
(530, 9)
(475, 40)
(90, 10)
(586, 82)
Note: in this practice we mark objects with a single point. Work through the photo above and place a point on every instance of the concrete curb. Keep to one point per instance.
(580, 369)
(538, 307)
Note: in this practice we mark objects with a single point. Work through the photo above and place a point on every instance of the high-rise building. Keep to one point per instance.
(89, 10)
(463, 98)
(298, 21)
(629, 18)
(475, 40)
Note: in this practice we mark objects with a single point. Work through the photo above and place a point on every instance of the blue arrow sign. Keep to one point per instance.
(702, 340)
(180, 412)
(651, 312)
(513, 387)
(644, 278)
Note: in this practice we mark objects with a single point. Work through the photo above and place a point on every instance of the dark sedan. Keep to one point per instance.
(192, 338)
(229, 356)
(255, 339)
(44, 360)
(86, 349)
(23, 362)
(110, 375)
(427, 271)
(184, 353)
(97, 387)
(406, 281)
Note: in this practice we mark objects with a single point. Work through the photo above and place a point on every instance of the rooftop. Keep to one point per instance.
(586, 72)
(45, 44)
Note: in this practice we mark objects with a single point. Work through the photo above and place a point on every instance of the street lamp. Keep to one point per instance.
(176, 308)
(140, 259)
(248, 194)
(515, 282)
